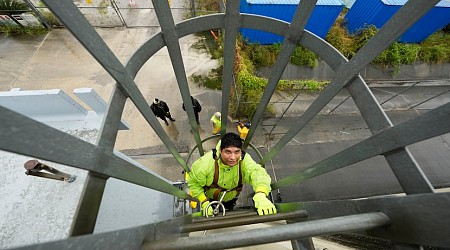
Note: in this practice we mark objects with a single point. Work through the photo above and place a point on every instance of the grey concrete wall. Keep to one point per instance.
(323, 72)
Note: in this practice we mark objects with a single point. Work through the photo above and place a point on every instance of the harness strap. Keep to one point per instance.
(216, 179)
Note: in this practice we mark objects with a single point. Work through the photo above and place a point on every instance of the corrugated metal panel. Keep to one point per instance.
(294, 2)
(394, 2)
(362, 13)
(320, 22)
(442, 3)
(378, 12)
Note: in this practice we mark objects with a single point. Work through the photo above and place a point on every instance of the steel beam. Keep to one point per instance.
(402, 163)
(76, 23)
(274, 234)
(293, 35)
(91, 197)
(412, 11)
(433, 123)
(35, 139)
(171, 39)
(231, 26)
(130, 238)
(419, 219)
(88, 206)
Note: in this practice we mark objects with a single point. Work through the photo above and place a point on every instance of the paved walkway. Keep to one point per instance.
(57, 60)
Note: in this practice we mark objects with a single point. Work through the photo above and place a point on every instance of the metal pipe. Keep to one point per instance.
(89, 205)
(299, 230)
(207, 225)
(38, 14)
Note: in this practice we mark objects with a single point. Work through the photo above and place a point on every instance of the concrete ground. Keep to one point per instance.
(57, 60)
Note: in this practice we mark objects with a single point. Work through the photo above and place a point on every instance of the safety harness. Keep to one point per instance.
(216, 177)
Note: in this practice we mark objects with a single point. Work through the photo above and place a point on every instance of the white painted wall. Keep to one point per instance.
(35, 209)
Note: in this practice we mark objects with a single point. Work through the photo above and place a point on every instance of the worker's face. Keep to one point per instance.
(231, 155)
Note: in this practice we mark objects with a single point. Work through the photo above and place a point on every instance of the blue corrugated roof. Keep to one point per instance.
(442, 3)
(295, 2)
(378, 12)
(320, 22)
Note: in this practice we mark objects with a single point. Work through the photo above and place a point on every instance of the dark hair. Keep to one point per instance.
(230, 140)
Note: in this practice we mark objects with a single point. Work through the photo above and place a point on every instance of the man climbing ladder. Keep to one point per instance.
(227, 169)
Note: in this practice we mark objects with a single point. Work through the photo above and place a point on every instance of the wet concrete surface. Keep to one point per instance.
(57, 60)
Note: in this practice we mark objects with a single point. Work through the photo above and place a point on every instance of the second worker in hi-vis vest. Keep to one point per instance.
(226, 169)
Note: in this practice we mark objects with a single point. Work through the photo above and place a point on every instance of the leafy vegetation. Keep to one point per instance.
(16, 30)
(434, 49)
(202, 7)
(249, 88)
(49, 17)
(301, 85)
(11, 7)
(8, 7)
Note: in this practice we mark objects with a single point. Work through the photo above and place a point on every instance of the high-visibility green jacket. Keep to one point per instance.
(202, 175)
(216, 122)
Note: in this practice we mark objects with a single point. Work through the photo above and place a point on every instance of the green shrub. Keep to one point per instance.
(50, 18)
(17, 30)
(303, 57)
(436, 48)
(246, 104)
(251, 82)
(262, 55)
(212, 81)
(8, 7)
(301, 85)
(435, 54)
(249, 88)
(203, 7)
(339, 38)
(409, 53)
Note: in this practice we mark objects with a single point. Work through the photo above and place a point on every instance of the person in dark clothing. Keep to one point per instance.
(161, 110)
(197, 108)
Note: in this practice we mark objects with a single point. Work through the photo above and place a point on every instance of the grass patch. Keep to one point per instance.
(16, 30)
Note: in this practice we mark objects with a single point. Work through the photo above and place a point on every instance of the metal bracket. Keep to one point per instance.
(34, 167)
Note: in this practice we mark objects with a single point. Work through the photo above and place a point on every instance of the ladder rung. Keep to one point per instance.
(293, 231)
(239, 221)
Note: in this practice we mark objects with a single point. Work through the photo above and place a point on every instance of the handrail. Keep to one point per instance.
(274, 234)
(232, 222)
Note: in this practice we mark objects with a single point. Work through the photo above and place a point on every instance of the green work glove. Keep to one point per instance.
(210, 209)
(264, 205)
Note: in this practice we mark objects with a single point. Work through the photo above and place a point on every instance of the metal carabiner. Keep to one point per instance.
(218, 205)
(216, 211)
